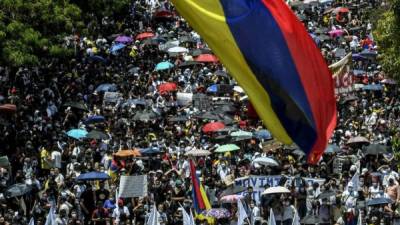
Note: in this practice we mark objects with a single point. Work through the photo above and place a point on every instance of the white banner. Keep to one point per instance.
(132, 186)
(258, 183)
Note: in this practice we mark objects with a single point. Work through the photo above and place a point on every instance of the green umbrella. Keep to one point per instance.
(241, 133)
(227, 148)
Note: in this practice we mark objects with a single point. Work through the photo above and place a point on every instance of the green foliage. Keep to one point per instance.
(387, 34)
(103, 8)
(33, 29)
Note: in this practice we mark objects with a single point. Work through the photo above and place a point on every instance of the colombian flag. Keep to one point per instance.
(271, 55)
(200, 200)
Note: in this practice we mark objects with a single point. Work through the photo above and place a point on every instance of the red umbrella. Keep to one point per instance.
(341, 10)
(8, 108)
(206, 58)
(166, 87)
(144, 35)
(163, 14)
(212, 127)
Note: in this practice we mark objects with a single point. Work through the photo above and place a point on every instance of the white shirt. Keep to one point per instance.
(56, 158)
(118, 211)
(288, 212)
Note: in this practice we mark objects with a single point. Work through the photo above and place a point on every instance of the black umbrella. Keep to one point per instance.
(186, 39)
(375, 149)
(225, 108)
(221, 73)
(17, 190)
(232, 190)
(349, 99)
(189, 63)
(208, 116)
(76, 105)
(200, 51)
(95, 134)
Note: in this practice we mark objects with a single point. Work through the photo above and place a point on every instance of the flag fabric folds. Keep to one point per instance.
(153, 218)
(271, 55)
(242, 215)
(200, 199)
(339, 68)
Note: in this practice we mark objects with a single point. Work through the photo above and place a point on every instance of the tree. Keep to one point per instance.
(387, 34)
(33, 29)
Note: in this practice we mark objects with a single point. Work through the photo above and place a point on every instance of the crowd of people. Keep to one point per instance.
(149, 84)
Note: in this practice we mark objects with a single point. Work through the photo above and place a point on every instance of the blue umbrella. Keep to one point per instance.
(358, 72)
(116, 47)
(164, 66)
(93, 176)
(95, 119)
(368, 53)
(149, 151)
(373, 87)
(97, 58)
(358, 57)
(77, 133)
(332, 149)
(213, 88)
(106, 87)
(262, 134)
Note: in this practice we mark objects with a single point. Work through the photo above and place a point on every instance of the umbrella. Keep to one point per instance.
(349, 98)
(77, 133)
(106, 87)
(184, 39)
(144, 35)
(262, 134)
(17, 190)
(168, 45)
(8, 108)
(375, 149)
(166, 87)
(332, 149)
(116, 47)
(197, 52)
(213, 88)
(94, 134)
(336, 33)
(134, 102)
(153, 41)
(212, 127)
(123, 39)
(95, 119)
(227, 148)
(163, 14)
(149, 151)
(311, 219)
(4, 162)
(379, 201)
(358, 140)
(373, 87)
(93, 176)
(276, 190)
(368, 53)
(228, 108)
(266, 161)
(232, 190)
(231, 198)
(358, 57)
(76, 105)
(326, 194)
(241, 133)
(208, 116)
(145, 115)
(178, 119)
(388, 81)
(128, 153)
(189, 63)
(198, 152)
(341, 10)
(97, 58)
(163, 66)
(206, 58)
(218, 213)
(177, 49)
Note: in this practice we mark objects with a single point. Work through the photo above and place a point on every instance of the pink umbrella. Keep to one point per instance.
(231, 198)
(336, 33)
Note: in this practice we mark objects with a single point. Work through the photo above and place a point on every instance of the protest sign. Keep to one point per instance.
(184, 99)
(133, 186)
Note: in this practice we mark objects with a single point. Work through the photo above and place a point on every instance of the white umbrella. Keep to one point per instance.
(238, 89)
(177, 49)
(197, 152)
(276, 190)
(266, 161)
